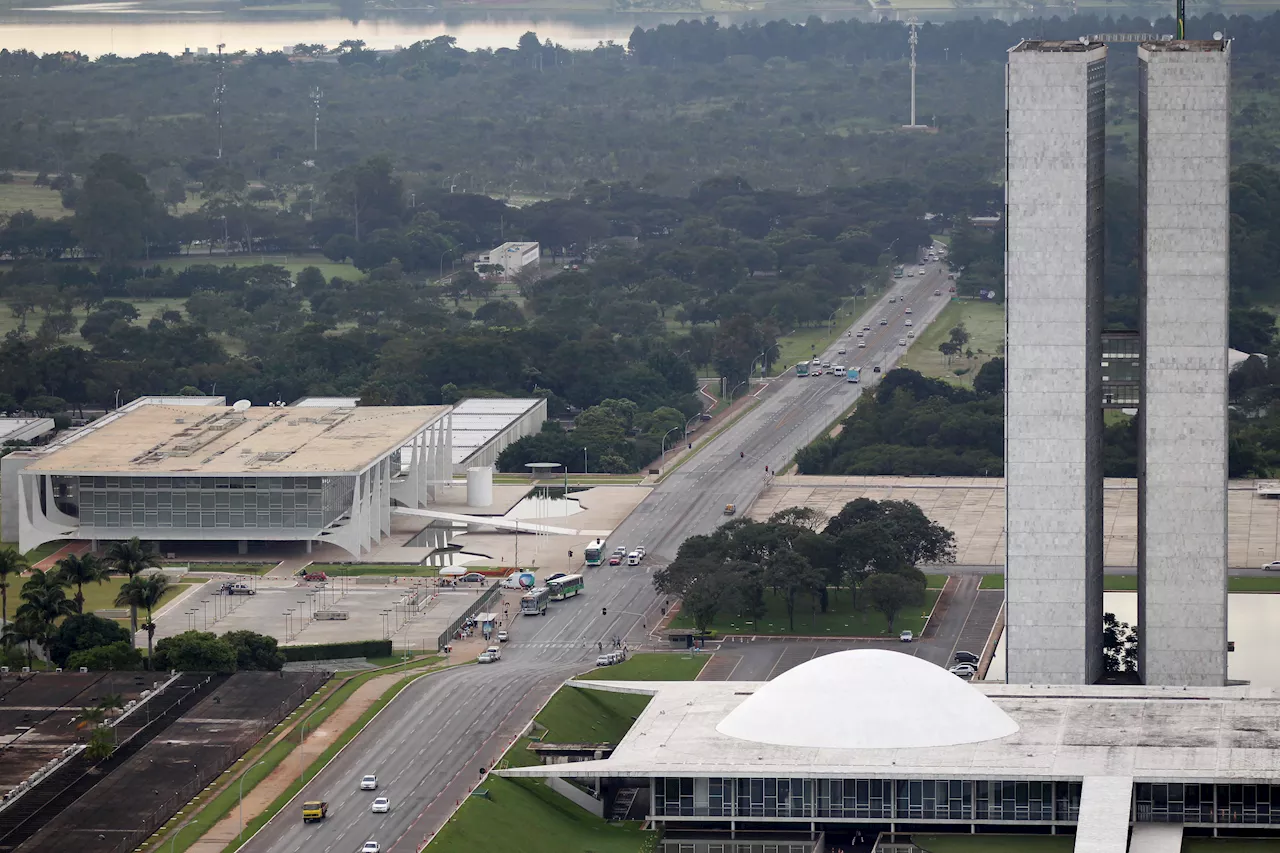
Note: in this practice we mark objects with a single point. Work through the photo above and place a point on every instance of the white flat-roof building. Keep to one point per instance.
(483, 427)
(170, 472)
(512, 257)
(875, 740)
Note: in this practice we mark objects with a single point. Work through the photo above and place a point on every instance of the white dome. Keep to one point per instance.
(867, 699)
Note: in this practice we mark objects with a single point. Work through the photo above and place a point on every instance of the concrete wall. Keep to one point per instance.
(1053, 369)
(576, 795)
(1182, 510)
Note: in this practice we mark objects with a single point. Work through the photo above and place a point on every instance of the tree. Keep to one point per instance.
(254, 651)
(130, 557)
(11, 564)
(79, 569)
(25, 628)
(195, 651)
(101, 745)
(889, 592)
(115, 212)
(791, 576)
(990, 378)
(84, 632)
(144, 592)
(367, 192)
(118, 656)
(702, 600)
(45, 601)
(1119, 645)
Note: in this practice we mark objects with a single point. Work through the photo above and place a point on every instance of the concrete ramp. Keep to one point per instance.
(1156, 838)
(486, 521)
(1104, 814)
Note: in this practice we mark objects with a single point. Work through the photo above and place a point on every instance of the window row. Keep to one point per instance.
(1203, 803)
(114, 519)
(169, 483)
(92, 499)
(868, 799)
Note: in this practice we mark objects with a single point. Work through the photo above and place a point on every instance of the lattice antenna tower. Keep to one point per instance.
(913, 39)
(317, 98)
(219, 90)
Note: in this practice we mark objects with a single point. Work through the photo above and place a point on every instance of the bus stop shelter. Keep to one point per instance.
(488, 623)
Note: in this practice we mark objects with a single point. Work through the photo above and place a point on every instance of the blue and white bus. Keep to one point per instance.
(534, 602)
(566, 587)
(802, 369)
(595, 553)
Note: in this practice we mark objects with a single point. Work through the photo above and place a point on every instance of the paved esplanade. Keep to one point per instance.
(428, 746)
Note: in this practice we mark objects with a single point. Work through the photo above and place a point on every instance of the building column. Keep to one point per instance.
(242, 546)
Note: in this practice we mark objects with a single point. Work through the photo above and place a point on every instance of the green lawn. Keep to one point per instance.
(805, 342)
(102, 596)
(1230, 845)
(838, 621)
(148, 309)
(935, 581)
(237, 568)
(575, 715)
(23, 194)
(985, 324)
(995, 843)
(992, 582)
(656, 666)
(37, 553)
(526, 815)
(294, 264)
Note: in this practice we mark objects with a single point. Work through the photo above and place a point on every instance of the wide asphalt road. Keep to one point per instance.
(428, 746)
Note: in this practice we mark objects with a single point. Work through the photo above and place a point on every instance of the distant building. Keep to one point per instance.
(512, 257)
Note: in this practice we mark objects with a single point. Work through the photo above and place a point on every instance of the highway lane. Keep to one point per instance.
(430, 742)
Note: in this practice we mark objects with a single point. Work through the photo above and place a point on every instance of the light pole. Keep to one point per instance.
(302, 737)
(448, 251)
(584, 460)
(686, 426)
(173, 844)
(205, 605)
(242, 775)
(664, 442)
(736, 387)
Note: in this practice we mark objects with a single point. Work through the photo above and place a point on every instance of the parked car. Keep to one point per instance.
(902, 342)
(906, 636)
(550, 578)
(605, 660)
(369, 783)
(472, 577)
(237, 588)
(493, 654)
(503, 636)
(965, 670)
(966, 657)
(381, 805)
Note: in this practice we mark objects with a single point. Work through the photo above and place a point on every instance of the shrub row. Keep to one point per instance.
(337, 651)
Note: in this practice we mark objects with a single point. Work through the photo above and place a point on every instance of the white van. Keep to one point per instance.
(633, 559)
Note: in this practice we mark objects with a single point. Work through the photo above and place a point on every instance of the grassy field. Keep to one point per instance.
(1230, 845)
(148, 309)
(804, 342)
(838, 621)
(23, 194)
(992, 582)
(935, 581)
(102, 596)
(985, 324)
(995, 843)
(294, 264)
(658, 666)
(589, 716)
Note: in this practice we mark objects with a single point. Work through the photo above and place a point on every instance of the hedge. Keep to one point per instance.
(338, 651)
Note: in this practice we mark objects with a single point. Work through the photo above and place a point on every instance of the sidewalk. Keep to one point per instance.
(265, 792)
(706, 432)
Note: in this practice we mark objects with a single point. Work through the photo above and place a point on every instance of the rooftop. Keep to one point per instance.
(477, 421)
(24, 429)
(163, 439)
(1186, 46)
(1067, 732)
(1038, 46)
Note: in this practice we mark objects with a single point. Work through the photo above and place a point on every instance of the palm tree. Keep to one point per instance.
(76, 570)
(25, 629)
(11, 563)
(92, 717)
(45, 601)
(129, 558)
(146, 593)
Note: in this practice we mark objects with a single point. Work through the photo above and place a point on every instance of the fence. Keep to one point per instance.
(489, 595)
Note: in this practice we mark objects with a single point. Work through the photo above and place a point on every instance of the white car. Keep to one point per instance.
(911, 334)
(642, 552)
(841, 351)
(862, 344)
(906, 636)
(369, 783)
(908, 324)
(902, 342)
(1273, 566)
(908, 312)
(381, 805)
(370, 847)
(503, 636)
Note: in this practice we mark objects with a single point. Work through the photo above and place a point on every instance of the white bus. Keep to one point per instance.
(566, 587)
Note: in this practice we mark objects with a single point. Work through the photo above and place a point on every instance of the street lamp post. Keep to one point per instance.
(302, 737)
(664, 442)
(242, 775)
(686, 426)
(584, 460)
(448, 251)
(173, 844)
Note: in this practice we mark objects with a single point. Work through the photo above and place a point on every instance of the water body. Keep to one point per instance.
(133, 27)
(1253, 623)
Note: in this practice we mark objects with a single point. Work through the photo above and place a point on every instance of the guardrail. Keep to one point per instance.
(447, 635)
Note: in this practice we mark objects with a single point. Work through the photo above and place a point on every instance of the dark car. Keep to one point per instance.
(875, 369)
(966, 657)
(553, 577)
(473, 577)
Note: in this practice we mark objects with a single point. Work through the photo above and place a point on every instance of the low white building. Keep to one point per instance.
(512, 257)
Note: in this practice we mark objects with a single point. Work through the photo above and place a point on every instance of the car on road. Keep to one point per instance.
(875, 369)
(826, 365)
(237, 588)
(902, 342)
(730, 509)
(503, 636)
(884, 322)
(910, 274)
(892, 299)
(911, 334)
(862, 344)
(906, 636)
(1273, 566)
(966, 657)
(859, 334)
(841, 351)
(908, 312)
(370, 847)
(908, 324)
(866, 328)
(633, 559)
(921, 270)
(937, 293)
(381, 805)
(493, 654)
(615, 559)
(641, 551)
(369, 783)
(605, 660)
(964, 670)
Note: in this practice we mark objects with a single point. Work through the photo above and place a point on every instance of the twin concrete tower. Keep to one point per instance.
(1062, 370)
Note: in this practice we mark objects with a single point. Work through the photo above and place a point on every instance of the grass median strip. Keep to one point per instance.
(266, 756)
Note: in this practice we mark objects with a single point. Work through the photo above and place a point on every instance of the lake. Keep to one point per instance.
(1253, 623)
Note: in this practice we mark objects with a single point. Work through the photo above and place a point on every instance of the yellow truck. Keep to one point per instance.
(314, 810)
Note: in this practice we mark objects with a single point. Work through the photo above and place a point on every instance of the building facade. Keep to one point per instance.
(1062, 370)
(1055, 100)
(1184, 165)
(512, 257)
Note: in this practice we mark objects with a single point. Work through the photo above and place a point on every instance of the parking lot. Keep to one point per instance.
(410, 611)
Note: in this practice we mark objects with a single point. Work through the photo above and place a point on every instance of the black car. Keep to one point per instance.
(556, 575)
(966, 657)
